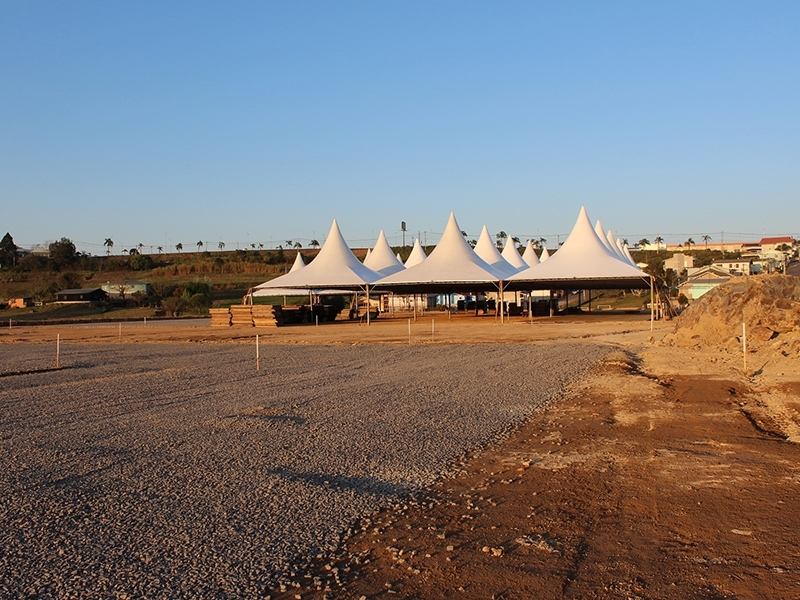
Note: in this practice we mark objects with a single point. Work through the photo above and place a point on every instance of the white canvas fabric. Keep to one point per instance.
(382, 259)
(612, 244)
(601, 233)
(545, 254)
(629, 257)
(512, 257)
(529, 256)
(334, 267)
(451, 263)
(366, 257)
(486, 249)
(298, 263)
(583, 259)
(417, 255)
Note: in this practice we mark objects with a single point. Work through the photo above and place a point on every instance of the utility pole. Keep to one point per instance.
(403, 229)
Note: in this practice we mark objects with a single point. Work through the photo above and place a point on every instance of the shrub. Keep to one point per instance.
(141, 262)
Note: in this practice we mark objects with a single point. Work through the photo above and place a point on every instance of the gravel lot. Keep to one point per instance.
(176, 470)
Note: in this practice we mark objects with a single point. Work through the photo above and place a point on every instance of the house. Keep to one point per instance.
(735, 266)
(679, 261)
(85, 296)
(703, 279)
(125, 289)
(771, 247)
(23, 302)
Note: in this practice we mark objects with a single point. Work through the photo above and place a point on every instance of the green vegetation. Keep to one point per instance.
(181, 283)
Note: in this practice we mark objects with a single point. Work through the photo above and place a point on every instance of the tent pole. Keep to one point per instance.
(530, 306)
(501, 302)
(366, 287)
(652, 306)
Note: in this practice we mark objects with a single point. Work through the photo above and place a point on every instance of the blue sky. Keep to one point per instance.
(159, 123)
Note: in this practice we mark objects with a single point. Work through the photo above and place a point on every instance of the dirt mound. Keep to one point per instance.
(769, 305)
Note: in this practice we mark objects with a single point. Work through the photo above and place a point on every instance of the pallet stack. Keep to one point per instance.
(264, 315)
(220, 317)
(242, 315)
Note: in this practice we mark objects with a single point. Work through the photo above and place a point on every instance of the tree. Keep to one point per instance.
(141, 262)
(658, 241)
(501, 238)
(199, 245)
(8, 251)
(315, 243)
(109, 244)
(538, 244)
(140, 246)
(253, 246)
(160, 249)
(625, 242)
(63, 252)
(298, 245)
(289, 243)
(516, 241)
(261, 246)
(706, 239)
(221, 245)
(133, 252)
(689, 243)
(179, 247)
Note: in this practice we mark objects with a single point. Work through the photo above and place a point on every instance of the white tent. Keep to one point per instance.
(417, 255)
(545, 254)
(582, 262)
(452, 266)
(612, 244)
(529, 256)
(335, 267)
(598, 229)
(298, 263)
(512, 257)
(382, 259)
(486, 249)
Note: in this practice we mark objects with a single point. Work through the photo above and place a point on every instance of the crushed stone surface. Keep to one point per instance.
(177, 470)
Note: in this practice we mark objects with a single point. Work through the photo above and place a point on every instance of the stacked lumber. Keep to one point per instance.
(220, 317)
(241, 315)
(290, 315)
(264, 315)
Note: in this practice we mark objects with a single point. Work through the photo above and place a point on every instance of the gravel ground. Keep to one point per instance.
(178, 471)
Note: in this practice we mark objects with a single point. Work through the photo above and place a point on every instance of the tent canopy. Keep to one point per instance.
(582, 262)
(417, 255)
(382, 258)
(451, 267)
(334, 267)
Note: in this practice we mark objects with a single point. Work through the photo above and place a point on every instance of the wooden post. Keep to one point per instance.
(409, 331)
(500, 300)
(530, 306)
(58, 350)
(366, 287)
(744, 347)
(258, 358)
(120, 332)
(652, 306)
(432, 328)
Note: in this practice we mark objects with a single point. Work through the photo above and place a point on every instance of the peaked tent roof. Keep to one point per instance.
(545, 254)
(612, 244)
(335, 267)
(417, 255)
(583, 261)
(512, 257)
(529, 256)
(382, 259)
(486, 249)
(601, 233)
(298, 264)
(451, 266)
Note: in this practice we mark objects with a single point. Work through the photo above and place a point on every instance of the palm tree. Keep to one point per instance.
(139, 247)
(315, 243)
(625, 242)
(689, 243)
(706, 239)
(261, 246)
(160, 249)
(221, 245)
(516, 241)
(539, 243)
(109, 244)
(199, 245)
(643, 242)
(253, 246)
(501, 238)
(658, 241)
(179, 247)
(298, 245)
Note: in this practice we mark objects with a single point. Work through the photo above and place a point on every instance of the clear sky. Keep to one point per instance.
(259, 122)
